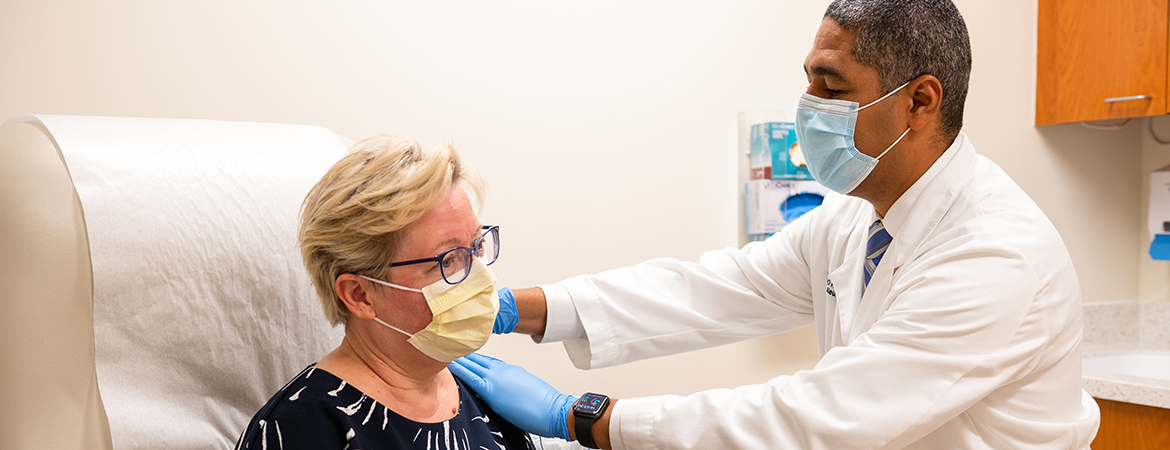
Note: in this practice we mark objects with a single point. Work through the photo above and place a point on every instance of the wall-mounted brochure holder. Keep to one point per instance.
(1160, 214)
(779, 187)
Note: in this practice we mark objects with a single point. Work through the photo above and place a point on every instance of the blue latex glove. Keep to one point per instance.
(507, 318)
(518, 396)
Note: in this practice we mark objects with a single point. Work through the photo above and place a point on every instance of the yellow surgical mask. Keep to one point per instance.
(463, 314)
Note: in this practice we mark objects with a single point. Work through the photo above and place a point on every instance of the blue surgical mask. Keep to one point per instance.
(824, 129)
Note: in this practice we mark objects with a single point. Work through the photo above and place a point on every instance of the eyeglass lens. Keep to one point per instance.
(488, 248)
(456, 263)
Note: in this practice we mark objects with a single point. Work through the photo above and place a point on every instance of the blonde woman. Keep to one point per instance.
(399, 259)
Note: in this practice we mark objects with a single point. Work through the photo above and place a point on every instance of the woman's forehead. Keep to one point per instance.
(451, 223)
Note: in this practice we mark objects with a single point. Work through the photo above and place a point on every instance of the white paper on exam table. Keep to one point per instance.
(197, 218)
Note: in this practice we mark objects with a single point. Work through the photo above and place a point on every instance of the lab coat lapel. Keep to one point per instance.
(921, 220)
(872, 305)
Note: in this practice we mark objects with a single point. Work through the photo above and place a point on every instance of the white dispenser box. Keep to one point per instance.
(1160, 214)
(771, 204)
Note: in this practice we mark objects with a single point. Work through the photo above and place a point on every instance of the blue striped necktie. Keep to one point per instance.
(875, 247)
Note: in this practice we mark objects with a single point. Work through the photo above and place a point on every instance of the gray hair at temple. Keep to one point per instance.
(905, 39)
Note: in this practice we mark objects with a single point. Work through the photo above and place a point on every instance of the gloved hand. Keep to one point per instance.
(518, 396)
(507, 318)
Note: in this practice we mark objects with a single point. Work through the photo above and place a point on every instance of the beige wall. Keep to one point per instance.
(606, 130)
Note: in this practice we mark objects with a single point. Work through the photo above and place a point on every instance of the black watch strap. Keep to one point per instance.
(586, 411)
(584, 429)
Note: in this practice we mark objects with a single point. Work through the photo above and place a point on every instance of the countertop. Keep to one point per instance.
(1127, 327)
(1127, 388)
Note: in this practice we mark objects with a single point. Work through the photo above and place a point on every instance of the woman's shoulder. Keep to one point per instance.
(304, 412)
(310, 390)
(319, 410)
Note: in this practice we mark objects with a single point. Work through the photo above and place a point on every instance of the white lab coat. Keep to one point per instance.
(967, 337)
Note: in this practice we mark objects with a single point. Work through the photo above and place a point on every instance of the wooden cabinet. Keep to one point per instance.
(1101, 59)
(1126, 426)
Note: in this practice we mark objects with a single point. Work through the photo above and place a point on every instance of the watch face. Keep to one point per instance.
(590, 404)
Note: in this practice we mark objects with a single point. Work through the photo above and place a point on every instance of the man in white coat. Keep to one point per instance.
(947, 310)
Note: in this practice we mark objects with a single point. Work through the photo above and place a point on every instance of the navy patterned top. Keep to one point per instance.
(317, 410)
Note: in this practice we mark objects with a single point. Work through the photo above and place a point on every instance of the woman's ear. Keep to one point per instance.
(926, 92)
(356, 292)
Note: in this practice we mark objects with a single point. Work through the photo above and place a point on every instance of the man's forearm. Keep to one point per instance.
(532, 308)
(533, 312)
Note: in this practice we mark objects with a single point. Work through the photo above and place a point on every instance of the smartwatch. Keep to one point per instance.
(586, 411)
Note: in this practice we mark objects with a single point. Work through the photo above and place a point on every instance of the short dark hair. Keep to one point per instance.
(905, 39)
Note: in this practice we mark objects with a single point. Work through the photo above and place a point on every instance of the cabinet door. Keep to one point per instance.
(1096, 57)
(1126, 426)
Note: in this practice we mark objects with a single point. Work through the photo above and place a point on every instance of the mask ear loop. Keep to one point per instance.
(395, 286)
(885, 96)
(392, 327)
(904, 133)
(891, 147)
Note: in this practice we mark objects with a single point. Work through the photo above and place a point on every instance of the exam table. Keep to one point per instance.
(152, 292)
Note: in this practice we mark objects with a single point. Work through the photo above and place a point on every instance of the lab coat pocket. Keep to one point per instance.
(846, 281)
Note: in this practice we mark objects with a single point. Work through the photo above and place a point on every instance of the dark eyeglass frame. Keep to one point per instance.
(494, 230)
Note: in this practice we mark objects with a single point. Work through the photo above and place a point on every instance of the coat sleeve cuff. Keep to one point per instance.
(570, 304)
(632, 420)
(562, 323)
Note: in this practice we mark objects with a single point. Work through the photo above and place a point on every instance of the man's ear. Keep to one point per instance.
(356, 293)
(927, 94)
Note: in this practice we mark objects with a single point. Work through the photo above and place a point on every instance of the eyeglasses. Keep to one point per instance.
(455, 264)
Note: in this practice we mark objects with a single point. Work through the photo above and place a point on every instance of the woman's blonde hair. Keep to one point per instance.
(352, 219)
